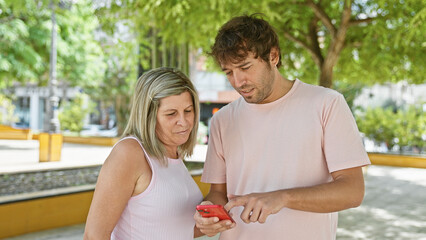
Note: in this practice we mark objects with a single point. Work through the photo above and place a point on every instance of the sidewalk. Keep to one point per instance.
(394, 207)
(22, 156)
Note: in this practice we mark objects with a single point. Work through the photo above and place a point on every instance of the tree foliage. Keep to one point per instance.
(119, 78)
(355, 41)
(405, 127)
(7, 114)
(25, 37)
(72, 113)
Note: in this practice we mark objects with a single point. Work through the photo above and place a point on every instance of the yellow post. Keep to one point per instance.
(43, 150)
(204, 187)
(50, 147)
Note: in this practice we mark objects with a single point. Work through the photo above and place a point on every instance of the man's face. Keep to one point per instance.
(252, 78)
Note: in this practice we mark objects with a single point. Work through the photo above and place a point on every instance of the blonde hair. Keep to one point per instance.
(150, 88)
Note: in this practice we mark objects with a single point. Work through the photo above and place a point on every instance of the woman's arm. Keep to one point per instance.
(116, 184)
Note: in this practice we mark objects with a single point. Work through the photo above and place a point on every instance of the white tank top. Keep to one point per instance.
(165, 209)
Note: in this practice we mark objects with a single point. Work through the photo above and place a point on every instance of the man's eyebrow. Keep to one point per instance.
(238, 66)
(243, 64)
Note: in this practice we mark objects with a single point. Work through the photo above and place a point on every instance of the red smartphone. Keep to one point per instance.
(214, 211)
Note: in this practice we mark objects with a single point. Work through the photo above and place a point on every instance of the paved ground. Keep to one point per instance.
(19, 155)
(394, 207)
(22, 155)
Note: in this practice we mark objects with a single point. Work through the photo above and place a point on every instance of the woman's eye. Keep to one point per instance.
(170, 114)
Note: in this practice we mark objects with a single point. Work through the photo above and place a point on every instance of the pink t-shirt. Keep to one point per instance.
(295, 141)
(165, 209)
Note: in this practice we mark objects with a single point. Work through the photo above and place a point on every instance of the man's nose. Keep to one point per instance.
(239, 79)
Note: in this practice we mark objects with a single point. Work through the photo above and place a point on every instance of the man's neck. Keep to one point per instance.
(281, 87)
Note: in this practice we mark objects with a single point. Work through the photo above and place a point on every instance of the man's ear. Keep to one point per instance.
(273, 56)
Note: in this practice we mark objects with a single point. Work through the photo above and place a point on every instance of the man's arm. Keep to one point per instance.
(217, 194)
(212, 226)
(345, 191)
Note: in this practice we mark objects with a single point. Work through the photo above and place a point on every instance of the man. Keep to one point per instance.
(284, 158)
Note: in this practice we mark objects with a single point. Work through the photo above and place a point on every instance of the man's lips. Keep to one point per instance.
(246, 91)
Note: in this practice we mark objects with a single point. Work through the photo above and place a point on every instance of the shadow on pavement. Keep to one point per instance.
(394, 206)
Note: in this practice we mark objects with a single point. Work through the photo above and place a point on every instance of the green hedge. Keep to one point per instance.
(402, 127)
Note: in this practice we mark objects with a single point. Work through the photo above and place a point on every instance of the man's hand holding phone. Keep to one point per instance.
(212, 219)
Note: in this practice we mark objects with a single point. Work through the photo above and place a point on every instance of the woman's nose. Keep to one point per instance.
(182, 120)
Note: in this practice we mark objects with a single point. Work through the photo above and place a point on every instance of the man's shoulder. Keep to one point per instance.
(226, 113)
(318, 91)
(230, 107)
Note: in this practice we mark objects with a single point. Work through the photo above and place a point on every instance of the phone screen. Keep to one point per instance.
(214, 211)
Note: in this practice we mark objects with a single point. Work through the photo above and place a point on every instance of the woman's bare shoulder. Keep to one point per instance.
(128, 154)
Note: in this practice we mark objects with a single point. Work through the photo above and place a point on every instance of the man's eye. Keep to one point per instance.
(228, 73)
(245, 68)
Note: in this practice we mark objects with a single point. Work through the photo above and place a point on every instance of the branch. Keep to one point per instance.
(7, 19)
(313, 36)
(338, 42)
(346, 16)
(305, 45)
(299, 41)
(298, 3)
(353, 22)
(321, 15)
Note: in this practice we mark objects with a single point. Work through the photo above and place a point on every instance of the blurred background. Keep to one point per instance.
(81, 59)
(67, 67)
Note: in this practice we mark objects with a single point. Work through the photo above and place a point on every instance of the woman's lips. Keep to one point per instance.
(182, 132)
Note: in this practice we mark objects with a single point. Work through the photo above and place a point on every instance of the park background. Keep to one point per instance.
(68, 67)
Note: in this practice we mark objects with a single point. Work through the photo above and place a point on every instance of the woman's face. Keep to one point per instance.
(175, 119)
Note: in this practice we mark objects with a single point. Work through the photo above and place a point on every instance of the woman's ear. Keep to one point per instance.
(273, 56)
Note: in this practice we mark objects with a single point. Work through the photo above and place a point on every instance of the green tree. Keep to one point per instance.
(405, 127)
(118, 80)
(25, 31)
(7, 111)
(131, 47)
(350, 40)
(378, 124)
(72, 113)
(411, 127)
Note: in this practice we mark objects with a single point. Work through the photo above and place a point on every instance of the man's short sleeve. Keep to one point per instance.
(214, 166)
(343, 147)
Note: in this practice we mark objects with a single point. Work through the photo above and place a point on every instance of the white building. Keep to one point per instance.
(30, 104)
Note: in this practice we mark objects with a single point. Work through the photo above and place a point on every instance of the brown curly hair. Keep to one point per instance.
(242, 35)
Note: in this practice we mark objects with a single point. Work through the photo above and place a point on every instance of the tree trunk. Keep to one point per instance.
(185, 59)
(154, 52)
(121, 106)
(164, 53)
(326, 75)
(179, 57)
(172, 55)
(311, 40)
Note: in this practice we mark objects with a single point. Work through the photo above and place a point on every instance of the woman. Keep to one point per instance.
(144, 190)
